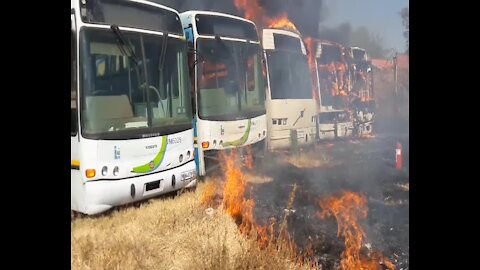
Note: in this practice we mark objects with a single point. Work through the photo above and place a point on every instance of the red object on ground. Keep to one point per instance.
(398, 157)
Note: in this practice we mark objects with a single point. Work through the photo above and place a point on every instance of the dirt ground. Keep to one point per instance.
(366, 166)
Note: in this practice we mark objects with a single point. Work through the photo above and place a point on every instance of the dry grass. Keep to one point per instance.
(168, 234)
(311, 160)
(256, 178)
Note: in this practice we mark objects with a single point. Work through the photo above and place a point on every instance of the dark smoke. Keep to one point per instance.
(340, 34)
(305, 14)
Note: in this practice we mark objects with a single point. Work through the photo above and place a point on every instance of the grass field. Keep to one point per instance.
(169, 233)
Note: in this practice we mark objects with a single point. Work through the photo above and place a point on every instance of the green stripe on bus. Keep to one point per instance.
(156, 161)
(240, 141)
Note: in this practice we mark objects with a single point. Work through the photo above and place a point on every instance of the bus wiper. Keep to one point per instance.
(242, 64)
(161, 64)
(244, 60)
(163, 52)
(230, 58)
(223, 47)
(124, 45)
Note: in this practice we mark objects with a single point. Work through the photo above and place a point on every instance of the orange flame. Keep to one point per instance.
(282, 22)
(249, 157)
(311, 66)
(208, 194)
(241, 210)
(234, 200)
(335, 79)
(348, 209)
(253, 11)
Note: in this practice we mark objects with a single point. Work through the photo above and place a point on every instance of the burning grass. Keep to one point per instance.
(348, 209)
(237, 205)
(214, 228)
(172, 233)
(255, 178)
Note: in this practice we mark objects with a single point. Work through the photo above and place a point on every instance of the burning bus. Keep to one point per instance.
(363, 103)
(334, 124)
(291, 107)
(335, 85)
(226, 76)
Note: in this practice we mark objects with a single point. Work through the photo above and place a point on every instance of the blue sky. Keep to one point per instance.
(379, 16)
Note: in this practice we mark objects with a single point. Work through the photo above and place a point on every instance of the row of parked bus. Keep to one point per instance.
(156, 94)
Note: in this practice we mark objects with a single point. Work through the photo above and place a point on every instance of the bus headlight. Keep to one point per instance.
(115, 171)
(214, 143)
(188, 154)
(104, 170)
(180, 158)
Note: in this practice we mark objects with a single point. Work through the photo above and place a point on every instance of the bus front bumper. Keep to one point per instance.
(102, 195)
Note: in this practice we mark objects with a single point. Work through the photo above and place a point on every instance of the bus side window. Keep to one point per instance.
(73, 88)
(191, 79)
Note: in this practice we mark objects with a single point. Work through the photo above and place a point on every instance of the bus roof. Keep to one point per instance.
(213, 13)
(268, 38)
(76, 4)
(357, 48)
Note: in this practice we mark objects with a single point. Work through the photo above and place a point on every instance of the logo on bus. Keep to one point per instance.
(152, 165)
(151, 146)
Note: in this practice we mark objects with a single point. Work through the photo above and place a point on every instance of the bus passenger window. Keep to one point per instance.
(73, 87)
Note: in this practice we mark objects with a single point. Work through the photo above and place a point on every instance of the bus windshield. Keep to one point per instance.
(327, 117)
(289, 75)
(230, 80)
(330, 53)
(116, 102)
(359, 55)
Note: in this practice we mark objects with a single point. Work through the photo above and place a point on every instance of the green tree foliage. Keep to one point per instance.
(373, 43)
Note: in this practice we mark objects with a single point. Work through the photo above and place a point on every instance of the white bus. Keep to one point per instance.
(334, 124)
(131, 130)
(334, 117)
(291, 107)
(364, 105)
(228, 82)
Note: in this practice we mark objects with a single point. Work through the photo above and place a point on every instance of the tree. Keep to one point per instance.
(405, 16)
(362, 38)
(359, 37)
